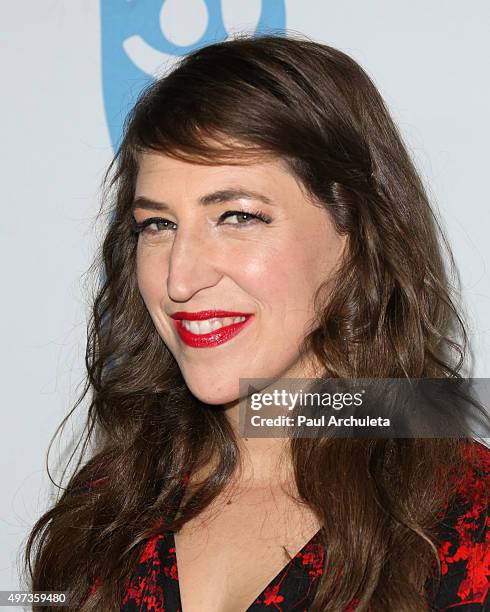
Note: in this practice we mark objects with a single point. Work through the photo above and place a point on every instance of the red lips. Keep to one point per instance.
(214, 338)
(207, 314)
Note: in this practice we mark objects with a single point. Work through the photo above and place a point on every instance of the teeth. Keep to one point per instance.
(208, 325)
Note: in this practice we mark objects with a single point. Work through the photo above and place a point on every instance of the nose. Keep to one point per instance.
(193, 265)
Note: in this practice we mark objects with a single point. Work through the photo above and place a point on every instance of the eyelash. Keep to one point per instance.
(138, 228)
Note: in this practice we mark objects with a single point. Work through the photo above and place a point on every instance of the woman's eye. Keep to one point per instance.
(151, 226)
(157, 225)
(243, 217)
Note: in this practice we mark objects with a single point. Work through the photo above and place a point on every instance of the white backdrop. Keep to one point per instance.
(430, 60)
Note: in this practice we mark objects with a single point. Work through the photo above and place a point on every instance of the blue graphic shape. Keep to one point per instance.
(138, 21)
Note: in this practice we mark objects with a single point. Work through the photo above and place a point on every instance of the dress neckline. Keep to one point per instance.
(308, 560)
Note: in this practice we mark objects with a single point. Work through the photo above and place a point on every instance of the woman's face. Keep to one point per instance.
(198, 255)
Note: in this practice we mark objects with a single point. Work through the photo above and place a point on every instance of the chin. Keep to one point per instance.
(210, 392)
(211, 397)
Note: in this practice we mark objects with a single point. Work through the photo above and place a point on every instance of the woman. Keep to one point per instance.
(267, 222)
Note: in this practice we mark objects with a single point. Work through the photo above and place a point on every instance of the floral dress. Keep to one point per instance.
(464, 551)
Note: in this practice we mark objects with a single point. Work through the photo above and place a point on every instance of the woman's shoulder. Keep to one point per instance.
(474, 480)
(464, 540)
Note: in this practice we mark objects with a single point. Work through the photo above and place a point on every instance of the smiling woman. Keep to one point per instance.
(267, 222)
(230, 256)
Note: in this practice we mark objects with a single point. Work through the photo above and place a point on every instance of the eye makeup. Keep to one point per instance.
(258, 215)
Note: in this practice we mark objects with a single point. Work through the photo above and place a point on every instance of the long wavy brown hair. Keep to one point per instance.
(391, 312)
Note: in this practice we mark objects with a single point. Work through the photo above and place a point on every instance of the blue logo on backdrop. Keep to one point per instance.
(144, 38)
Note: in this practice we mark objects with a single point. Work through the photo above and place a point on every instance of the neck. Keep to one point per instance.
(264, 461)
(267, 461)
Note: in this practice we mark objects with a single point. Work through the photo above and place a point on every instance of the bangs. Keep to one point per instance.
(195, 144)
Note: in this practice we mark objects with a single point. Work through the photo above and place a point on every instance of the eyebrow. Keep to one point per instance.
(216, 197)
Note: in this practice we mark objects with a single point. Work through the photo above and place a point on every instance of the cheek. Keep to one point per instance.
(266, 269)
(285, 269)
(318, 254)
(280, 278)
(287, 279)
(151, 277)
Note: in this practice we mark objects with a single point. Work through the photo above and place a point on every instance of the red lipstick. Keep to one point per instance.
(213, 338)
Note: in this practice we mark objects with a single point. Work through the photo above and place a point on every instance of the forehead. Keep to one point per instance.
(159, 172)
